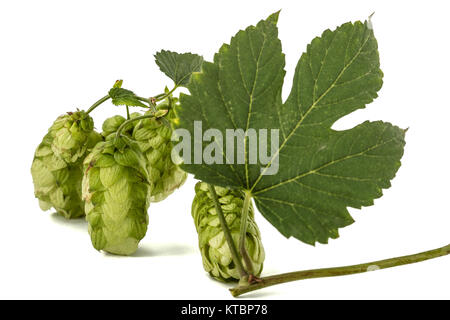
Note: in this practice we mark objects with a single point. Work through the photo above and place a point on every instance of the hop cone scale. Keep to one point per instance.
(216, 255)
(71, 133)
(116, 192)
(112, 124)
(57, 182)
(153, 138)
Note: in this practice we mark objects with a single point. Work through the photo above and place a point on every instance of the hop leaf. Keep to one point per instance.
(124, 97)
(216, 255)
(321, 171)
(178, 66)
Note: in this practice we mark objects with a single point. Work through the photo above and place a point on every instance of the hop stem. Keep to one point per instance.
(340, 271)
(119, 130)
(162, 96)
(226, 231)
(99, 102)
(243, 233)
(151, 103)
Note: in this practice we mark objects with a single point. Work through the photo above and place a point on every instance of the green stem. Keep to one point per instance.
(226, 231)
(99, 102)
(152, 106)
(143, 99)
(128, 113)
(156, 98)
(340, 271)
(243, 232)
(119, 131)
(162, 96)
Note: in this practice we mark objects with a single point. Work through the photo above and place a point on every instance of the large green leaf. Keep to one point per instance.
(322, 171)
(178, 66)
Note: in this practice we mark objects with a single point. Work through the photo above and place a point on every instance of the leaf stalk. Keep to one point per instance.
(226, 231)
(99, 102)
(168, 94)
(243, 233)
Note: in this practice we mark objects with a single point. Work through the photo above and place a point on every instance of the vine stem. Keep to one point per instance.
(152, 100)
(243, 233)
(162, 96)
(151, 104)
(340, 271)
(143, 99)
(226, 231)
(99, 102)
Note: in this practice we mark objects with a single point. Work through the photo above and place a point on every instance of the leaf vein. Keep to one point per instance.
(307, 112)
(322, 167)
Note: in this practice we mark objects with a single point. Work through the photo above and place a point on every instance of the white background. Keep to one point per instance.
(56, 56)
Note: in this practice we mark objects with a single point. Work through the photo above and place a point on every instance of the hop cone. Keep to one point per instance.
(216, 255)
(153, 138)
(116, 192)
(71, 133)
(112, 124)
(57, 183)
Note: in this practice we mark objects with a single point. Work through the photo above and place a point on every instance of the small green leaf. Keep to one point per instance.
(321, 171)
(124, 97)
(118, 84)
(178, 66)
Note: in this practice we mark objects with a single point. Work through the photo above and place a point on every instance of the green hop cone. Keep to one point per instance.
(71, 133)
(153, 137)
(113, 123)
(216, 255)
(57, 183)
(116, 194)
